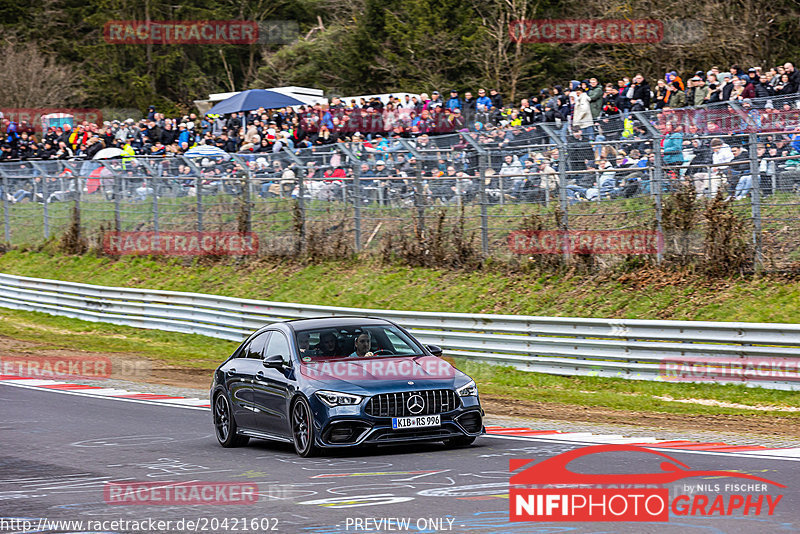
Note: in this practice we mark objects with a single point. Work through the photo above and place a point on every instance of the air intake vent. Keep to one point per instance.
(397, 404)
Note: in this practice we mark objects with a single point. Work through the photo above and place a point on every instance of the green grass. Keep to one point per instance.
(370, 284)
(52, 332)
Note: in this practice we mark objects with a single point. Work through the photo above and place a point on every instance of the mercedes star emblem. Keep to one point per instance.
(415, 404)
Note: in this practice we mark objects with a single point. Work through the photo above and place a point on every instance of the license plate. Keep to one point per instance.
(399, 423)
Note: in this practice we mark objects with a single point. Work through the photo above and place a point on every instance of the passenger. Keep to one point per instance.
(363, 344)
(328, 344)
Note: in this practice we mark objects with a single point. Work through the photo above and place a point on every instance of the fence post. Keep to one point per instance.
(45, 211)
(483, 164)
(656, 185)
(562, 186)
(117, 193)
(356, 193)
(155, 206)
(247, 193)
(755, 180)
(419, 198)
(197, 190)
(6, 210)
(301, 206)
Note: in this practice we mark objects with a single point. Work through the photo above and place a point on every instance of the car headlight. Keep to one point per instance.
(470, 390)
(334, 398)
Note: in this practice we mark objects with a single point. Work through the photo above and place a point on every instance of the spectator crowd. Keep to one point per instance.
(594, 107)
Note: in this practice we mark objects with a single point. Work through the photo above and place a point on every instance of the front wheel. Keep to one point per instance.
(302, 428)
(461, 441)
(225, 425)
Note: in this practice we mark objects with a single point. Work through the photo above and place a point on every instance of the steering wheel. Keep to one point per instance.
(382, 351)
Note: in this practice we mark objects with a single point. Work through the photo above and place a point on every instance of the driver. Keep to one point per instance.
(363, 344)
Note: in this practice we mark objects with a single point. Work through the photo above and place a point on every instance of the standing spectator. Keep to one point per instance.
(496, 98)
(785, 85)
(595, 94)
(661, 95)
(436, 101)
(454, 102)
(793, 75)
(700, 94)
(763, 89)
(579, 154)
(623, 98)
(483, 99)
(677, 98)
(582, 114)
(639, 93)
(468, 108)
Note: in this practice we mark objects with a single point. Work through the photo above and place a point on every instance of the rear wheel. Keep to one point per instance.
(303, 428)
(225, 425)
(461, 441)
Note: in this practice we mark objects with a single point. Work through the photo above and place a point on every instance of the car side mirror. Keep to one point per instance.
(273, 362)
(435, 350)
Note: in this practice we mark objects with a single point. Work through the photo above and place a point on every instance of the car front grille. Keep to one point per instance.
(396, 404)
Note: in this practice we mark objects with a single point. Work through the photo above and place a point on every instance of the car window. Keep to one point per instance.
(255, 349)
(278, 344)
(340, 342)
(398, 345)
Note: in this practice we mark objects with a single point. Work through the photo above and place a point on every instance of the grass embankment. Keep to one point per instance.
(646, 295)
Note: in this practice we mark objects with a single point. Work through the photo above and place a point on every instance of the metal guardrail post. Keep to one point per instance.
(419, 198)
(658, 177)
(357, 199)
(562, 186)
(483, 163)
(755, 180)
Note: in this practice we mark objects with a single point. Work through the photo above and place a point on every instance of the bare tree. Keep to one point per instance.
(502, 59)
(31, 78)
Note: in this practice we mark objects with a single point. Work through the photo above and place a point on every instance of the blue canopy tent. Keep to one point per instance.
(254, 99)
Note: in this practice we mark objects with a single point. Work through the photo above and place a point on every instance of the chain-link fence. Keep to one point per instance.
(719, 185)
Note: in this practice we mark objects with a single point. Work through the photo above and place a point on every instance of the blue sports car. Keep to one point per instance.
(342, 382)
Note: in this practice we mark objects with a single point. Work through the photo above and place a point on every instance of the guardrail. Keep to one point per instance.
(633, 349)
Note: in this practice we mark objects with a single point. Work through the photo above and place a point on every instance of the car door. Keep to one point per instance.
(239, 376)
(272, 389)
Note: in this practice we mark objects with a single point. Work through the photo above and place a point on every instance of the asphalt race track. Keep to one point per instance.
(60, 452)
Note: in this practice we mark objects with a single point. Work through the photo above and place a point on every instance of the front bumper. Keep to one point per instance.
(348, 426)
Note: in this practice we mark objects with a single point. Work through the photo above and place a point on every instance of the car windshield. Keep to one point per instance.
(354, 342)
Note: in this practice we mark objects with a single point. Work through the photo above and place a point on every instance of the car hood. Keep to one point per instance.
(382, 374)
